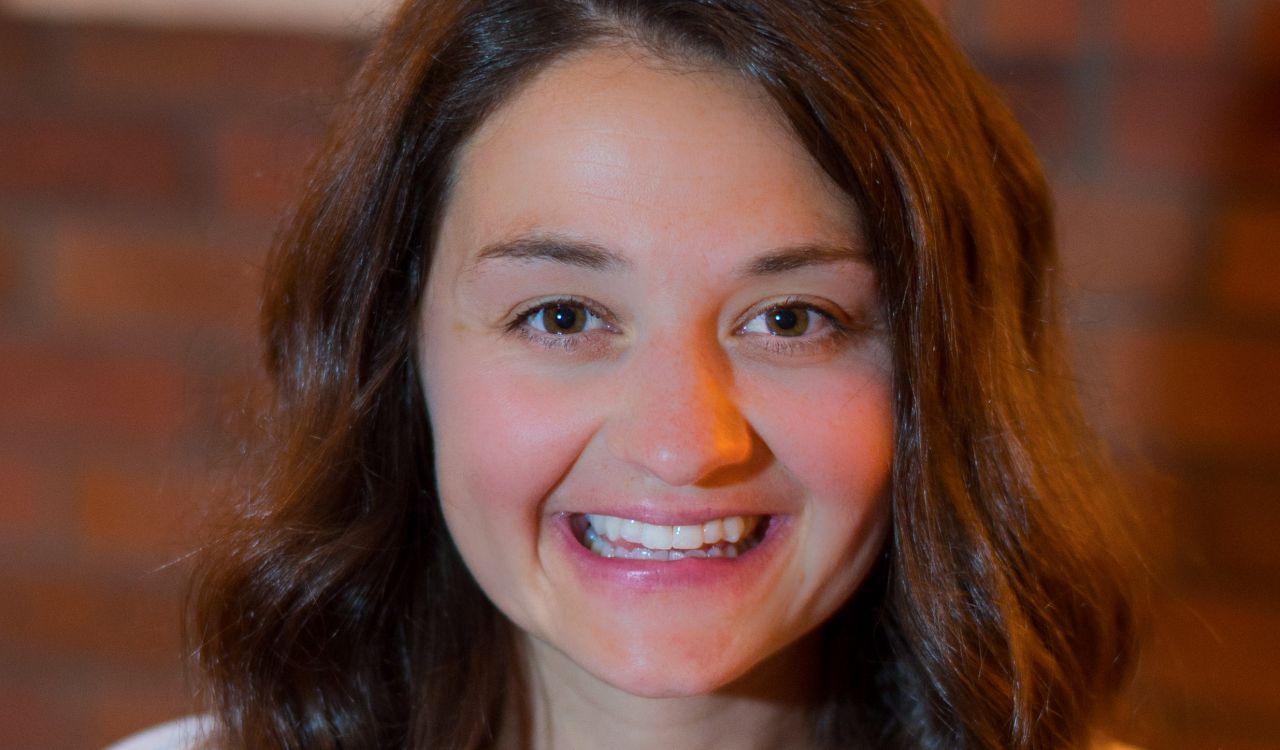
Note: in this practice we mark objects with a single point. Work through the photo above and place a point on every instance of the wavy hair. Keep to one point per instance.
(337, 613)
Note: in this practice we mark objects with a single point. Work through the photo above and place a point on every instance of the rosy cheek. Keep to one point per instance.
(831, 428)
(504, 438)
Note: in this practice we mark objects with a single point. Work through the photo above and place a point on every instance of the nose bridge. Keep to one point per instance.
(678, 418)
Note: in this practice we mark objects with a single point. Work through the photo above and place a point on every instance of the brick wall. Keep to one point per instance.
(141, 171)
(1160, 124)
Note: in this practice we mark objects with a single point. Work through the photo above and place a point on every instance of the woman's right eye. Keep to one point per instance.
(560, 318)
(556, 321)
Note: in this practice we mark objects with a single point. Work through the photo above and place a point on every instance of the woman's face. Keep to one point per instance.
(651, 328)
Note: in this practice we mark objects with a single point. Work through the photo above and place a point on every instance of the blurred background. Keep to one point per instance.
(148, 147)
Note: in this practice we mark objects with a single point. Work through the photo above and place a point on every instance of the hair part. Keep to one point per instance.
(337, 612)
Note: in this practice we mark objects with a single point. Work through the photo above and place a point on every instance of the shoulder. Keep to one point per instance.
(186, 733)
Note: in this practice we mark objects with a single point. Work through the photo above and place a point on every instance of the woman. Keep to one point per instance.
(667, 372)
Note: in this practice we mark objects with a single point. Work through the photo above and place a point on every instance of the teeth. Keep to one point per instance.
(656, 537)
(604, 549)
(721, 537)
(686, 537)
(631, 531)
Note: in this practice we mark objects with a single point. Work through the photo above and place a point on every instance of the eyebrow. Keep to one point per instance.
(589, 255)
(791, 258)
(553, 248)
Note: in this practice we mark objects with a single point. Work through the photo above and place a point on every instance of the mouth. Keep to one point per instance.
(627, 538)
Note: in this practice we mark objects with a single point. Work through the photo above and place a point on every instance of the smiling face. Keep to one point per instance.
(650, 330)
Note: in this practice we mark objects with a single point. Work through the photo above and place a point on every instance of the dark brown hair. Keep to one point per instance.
(338, 613)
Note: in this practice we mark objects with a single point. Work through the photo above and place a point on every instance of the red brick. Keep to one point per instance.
(1049, 28)
(1216, 651)
(1182, 30)
(1169, 120)
(83, 618)
(105, 278)
(1172, 720)
(10, 270)
(1193, 392)
(1126, 244)
(24, 509)
(146, 700)
(1262, 22)
(196, 66)
(30, 717)
(1159, 509)
(76, 157)
(1040, 97)
(68, 394)
(260, 169)
(1248, 260)
(22, 58)
(151, 517)
(1241, 519)
(1252, 150)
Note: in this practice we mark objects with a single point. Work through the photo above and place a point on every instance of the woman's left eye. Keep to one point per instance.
(792, 320)
(560, 318)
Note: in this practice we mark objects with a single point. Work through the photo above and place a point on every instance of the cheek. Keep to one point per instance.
(502, 442)
(833, 432)
(833, 435)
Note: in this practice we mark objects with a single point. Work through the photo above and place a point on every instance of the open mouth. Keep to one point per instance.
(611, 536)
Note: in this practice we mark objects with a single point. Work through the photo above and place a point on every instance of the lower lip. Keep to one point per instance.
(724, 574)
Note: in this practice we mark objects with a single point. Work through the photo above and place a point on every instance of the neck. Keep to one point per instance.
(767, 709)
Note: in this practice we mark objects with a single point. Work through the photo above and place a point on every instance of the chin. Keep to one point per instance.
(659, 680)
(662, 666)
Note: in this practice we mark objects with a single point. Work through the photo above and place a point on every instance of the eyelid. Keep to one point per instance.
(525, 309)
(827, 311)
(519, 322)
(840, 327)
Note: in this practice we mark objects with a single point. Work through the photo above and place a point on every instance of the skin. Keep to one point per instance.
(675, 399)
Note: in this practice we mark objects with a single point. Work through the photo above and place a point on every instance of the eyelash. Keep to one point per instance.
(837, 332)
(521, 326)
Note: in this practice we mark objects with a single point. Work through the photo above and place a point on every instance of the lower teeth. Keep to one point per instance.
(602, 547)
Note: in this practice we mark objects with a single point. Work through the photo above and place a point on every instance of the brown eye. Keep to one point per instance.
(560, 318)
(787, 321)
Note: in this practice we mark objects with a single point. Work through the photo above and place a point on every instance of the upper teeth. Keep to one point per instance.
(655, 536)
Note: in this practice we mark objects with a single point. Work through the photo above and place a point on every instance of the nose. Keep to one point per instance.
(677, 418)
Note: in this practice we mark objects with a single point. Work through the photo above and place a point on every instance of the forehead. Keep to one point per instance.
(614, 147)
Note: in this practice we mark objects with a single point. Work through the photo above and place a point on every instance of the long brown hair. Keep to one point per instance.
(338, 614)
